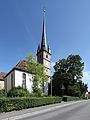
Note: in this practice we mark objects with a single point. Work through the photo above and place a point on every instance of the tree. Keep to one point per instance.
(39, 75)
(31, 63)
(68, 72)
(75, 66)
(83, 87)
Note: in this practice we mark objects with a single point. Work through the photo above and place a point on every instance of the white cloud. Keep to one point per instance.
(86, 78)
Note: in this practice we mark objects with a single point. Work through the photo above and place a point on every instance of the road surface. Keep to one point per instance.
(79, 110)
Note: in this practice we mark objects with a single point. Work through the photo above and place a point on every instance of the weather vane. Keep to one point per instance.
(44, 9)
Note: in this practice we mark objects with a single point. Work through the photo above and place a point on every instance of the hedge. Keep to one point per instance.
(2, 93)
(9, 104)
(70, 98)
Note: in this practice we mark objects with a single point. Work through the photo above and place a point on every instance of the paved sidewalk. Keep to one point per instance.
(32, 111)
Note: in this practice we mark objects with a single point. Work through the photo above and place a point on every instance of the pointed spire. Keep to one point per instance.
(43, 43)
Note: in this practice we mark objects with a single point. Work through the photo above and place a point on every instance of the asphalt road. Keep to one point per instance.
(77, 111)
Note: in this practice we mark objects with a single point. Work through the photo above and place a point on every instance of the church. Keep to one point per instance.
(19, 75)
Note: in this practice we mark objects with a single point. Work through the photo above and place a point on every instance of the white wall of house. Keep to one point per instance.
(8, 83)
(18, 79)
(1, 84)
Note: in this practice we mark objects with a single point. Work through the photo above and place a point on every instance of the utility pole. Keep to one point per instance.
(51, 82)
(51, 87)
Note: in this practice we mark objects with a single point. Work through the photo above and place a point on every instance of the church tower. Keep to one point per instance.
(44, 52)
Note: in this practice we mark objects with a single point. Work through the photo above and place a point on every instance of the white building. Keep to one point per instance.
(19, 76)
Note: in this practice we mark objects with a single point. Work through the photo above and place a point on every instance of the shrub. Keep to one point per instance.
(89, 96)
(2, 93)
(9, 104)
(18, 92)
(70, 98)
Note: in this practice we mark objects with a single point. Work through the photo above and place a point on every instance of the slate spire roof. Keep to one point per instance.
(43, 46)
(43, 42)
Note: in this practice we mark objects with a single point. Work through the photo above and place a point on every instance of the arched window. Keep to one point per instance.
(24, 80)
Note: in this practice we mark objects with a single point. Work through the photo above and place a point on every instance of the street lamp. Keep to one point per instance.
(51, 87)
(51, 83)
(62, 88)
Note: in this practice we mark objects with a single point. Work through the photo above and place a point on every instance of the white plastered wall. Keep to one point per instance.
(18, 79)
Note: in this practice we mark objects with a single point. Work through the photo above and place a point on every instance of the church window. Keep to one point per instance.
(24, 80)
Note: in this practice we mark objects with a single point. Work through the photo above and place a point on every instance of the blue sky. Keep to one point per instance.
(67, 26)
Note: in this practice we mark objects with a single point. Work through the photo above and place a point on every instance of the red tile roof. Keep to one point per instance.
(2, 75)
(22, 65)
